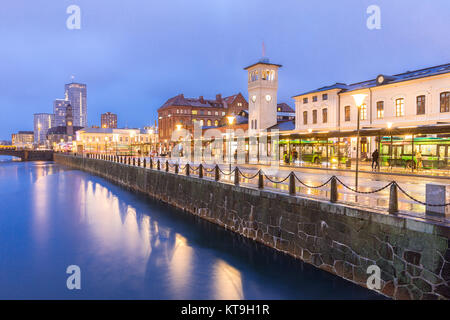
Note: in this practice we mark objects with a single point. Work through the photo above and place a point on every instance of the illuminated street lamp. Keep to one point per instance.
(230, 120)
(359, 99)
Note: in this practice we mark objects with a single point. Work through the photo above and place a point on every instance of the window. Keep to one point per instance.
(420, 105)
(325, 115)
(223, 113)
(380, 109)
(363, 112)
(445, 101)
(209, 113)
(208, 123)
(216, 123)
(400, 107)
(314, 116)
(305, 117)
(347, 113)
(325, 96)
(314, 99)
(279, 109)
(194, 111)
(305, 100)
(216, 113)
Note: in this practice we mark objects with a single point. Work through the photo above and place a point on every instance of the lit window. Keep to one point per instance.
(216, 123)
(208, 123)
(380, 109)
(400, 107)
(216, 113)
(194, 111)
(223, 113)
(363, 112)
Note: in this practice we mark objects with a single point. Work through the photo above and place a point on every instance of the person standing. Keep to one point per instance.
(375, 163)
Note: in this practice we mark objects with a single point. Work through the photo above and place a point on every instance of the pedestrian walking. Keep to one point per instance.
(375, 163)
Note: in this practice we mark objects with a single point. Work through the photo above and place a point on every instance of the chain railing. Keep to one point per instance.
(235, 175)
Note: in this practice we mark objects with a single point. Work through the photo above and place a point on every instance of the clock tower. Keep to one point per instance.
(262, 95)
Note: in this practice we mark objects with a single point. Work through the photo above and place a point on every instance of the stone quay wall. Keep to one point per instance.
(413, 255)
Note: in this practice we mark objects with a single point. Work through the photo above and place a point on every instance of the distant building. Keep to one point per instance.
(23, 139)
(181, 112)
(109, 120)
(42, 122)
(114, 141)
(285, 112)
(76, 94)
(59, 110)
(61, 137)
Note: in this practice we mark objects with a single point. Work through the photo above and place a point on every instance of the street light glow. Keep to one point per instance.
(230, 120)
(359, 99)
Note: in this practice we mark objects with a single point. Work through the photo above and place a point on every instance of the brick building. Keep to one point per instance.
(181, 112)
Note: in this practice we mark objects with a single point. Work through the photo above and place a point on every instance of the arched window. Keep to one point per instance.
(363, 111)
(400, 107)
(216, 123)
(445, 101)
(208, 123)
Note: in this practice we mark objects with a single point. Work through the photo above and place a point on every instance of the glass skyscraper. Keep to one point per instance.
(42, 122)
(76, 94)
(59, 109)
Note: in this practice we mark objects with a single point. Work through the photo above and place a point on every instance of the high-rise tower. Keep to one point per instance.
(76, 94)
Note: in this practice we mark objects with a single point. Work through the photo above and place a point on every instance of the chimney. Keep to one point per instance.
(201, 99)
(219, 98)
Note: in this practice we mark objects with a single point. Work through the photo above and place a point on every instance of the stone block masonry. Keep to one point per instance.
(413, 255)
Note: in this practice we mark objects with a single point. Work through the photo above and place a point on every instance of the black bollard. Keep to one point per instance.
(200, 171)
(292, 184)
(216, 173)
(333, 190)
(236, 176)
(260, 180)
(393, 199)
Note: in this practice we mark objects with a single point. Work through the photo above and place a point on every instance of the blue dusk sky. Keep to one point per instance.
(134, 55)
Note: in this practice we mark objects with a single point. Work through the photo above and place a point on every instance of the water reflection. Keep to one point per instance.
(130, 247)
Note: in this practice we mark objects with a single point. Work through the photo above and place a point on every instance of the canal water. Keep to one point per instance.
(131, 247)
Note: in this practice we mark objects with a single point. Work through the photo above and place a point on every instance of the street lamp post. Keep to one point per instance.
(359, 99)
(230, 122)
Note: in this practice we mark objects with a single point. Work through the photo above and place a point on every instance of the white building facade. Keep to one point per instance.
(410, 99)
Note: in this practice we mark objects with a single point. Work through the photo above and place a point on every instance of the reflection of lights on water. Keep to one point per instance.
(227, 282)
(180, 266)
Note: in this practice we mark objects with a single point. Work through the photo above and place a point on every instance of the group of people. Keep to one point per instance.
(289, 158)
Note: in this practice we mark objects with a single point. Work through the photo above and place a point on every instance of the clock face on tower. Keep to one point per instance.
(380, 79)
(254, 98)
(268, 97)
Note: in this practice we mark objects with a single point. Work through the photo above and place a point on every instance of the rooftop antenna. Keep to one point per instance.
(72, 77)
(264, 59)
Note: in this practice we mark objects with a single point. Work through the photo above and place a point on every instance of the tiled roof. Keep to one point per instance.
(409, 75)
(284, 107)
(283, 126)
(180, 100)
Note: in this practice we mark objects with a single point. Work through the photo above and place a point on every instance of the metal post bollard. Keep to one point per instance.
(187, 170)
(158, 165)
(134, 162)
(151, 163)
(260, 180)
(145, 163)
(292, 184)
(129, 161)
(200, 171)
(393, 199)
(167, 165)
(176, 168)
(333, 190)
(236, 176)
(216, 173)
(139, 162)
